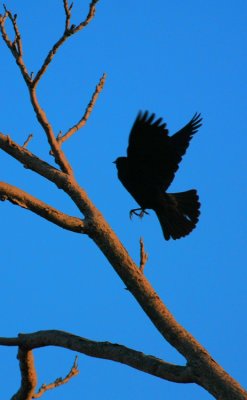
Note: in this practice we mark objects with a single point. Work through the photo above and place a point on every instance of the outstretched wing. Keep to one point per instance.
(146, 136)
(157, 154)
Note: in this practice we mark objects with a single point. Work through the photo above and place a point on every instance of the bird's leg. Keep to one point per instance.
(140, 214)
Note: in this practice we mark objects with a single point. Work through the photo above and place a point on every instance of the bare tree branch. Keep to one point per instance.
(25, 200)
(105, 350)
(29, 160)
(67, 10)
(68, 32)
(28, 375)
(59, 381)
(59, 156)
(16, 49)
(15, 46)
(89, 109)
(62, 180)
(90, 16)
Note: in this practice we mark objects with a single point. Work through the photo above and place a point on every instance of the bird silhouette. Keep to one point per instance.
(152, 160)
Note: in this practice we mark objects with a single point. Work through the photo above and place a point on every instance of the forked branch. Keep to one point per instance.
(69, 31)
(59, 381)
(29, 377)
(16, 50)
(15, 46)
(17, 43)
(67, 10)
(32, 80)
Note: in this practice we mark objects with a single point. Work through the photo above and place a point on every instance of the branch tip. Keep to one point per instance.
(29, 138)
(59, 135)
(15, 46)
(99, 87)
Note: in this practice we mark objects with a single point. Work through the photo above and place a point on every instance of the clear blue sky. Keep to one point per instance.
(172, 58)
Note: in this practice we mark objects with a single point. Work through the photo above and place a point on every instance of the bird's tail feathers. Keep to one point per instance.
(178, 213)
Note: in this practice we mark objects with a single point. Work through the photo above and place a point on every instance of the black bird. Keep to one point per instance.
(148, 170)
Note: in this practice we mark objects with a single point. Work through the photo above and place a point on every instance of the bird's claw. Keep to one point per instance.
(140, 214)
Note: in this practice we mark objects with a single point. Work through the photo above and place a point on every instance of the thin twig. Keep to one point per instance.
(17, 40)
(59, 381)
(90, 16)
(15, 46)
(143, 256)
(29, 138)
(89, 109)
(67, 10)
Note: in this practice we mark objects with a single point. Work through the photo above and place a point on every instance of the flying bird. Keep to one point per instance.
(152, 160)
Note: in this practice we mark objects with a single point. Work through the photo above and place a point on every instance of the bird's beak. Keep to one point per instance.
(114, 162)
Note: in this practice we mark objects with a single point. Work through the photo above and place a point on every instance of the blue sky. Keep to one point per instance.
(172, 58)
